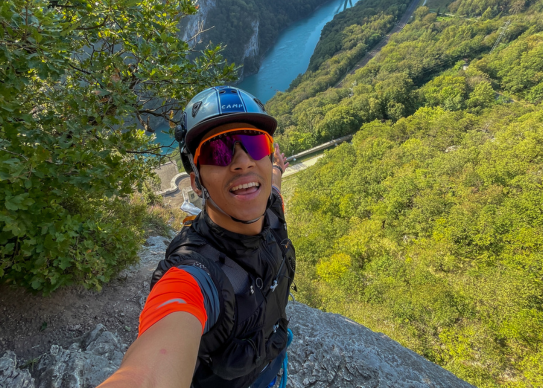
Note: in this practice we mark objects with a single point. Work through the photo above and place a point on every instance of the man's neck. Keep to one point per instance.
(229, 224)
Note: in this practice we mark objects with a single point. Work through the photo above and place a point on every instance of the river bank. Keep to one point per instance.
(291, 54)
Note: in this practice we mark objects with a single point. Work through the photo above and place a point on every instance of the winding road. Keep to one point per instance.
(371, 54)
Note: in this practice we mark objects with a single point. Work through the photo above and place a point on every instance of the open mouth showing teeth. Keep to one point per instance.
(246, 188)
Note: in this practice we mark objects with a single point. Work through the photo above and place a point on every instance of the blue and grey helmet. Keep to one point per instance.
(217, 106)
(207, 110)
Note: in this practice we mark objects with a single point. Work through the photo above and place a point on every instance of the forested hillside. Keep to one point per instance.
(429, 225)
(348, 46)
(359, 27)
(312, 112)
(233, 23)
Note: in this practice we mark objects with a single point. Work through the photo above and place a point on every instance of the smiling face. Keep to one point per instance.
(241, 189)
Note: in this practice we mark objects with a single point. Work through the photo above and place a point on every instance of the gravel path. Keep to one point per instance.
(301, 166)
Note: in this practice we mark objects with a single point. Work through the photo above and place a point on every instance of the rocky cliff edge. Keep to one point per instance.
(328, 350)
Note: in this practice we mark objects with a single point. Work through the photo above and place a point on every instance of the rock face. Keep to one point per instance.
(196, 23)
(85, 364)
(252, 48)
(11, 376)
(328, 350)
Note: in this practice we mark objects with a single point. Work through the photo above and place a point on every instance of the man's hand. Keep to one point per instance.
(279, 159)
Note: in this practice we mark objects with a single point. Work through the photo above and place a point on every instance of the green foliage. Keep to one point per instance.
(483, 95)
(333, 268)
(428, 227)
(421, 66)
(446, 91)
(421, 12)
(438, 6)
(75, 77)
(433, 221)
(518, 67)
(337, 122)
(490, 8)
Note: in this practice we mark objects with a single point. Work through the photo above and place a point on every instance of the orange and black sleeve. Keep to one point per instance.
(177, 290)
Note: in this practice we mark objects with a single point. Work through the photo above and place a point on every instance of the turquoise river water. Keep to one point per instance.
(286, 59)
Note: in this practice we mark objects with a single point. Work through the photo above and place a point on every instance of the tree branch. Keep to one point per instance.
(144, 124)
(199, 31)
(142, 152)
(94, 27)
(54, 3)
(151, 112)
(152, 149)
(81, 70)
(14, 153)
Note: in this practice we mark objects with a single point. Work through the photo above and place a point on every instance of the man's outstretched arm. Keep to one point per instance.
(163, 356)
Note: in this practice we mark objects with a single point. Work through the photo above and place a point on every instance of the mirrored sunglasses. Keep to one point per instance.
(219, 149)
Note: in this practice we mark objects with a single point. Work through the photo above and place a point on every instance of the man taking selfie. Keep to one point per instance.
(215, 316)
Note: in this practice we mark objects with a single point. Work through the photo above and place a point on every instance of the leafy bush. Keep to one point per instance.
(75, 79)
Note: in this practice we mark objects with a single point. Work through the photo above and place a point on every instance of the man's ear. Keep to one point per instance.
(195, 184)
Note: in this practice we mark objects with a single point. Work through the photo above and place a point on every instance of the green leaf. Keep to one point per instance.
(17, 202)
(65, 262)
(48, 243)
(12, 161)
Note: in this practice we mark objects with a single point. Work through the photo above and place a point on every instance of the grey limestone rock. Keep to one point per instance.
(85, 364)
(11, 376)
(328, 350)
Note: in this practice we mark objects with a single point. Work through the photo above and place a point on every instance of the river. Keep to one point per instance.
(291, 54)
(286, 59)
